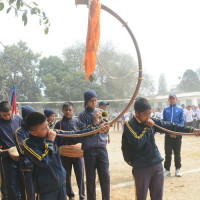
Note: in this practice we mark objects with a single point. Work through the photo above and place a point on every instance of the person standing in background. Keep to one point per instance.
(189, 116)
(173, 113)
(68, 123)
(198, 116)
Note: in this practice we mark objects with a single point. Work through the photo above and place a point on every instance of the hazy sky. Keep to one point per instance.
(167, 31)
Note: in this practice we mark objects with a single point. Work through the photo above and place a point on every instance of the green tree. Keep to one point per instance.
(162, 85)
(190, 81)
(24, 9)
(19, 66)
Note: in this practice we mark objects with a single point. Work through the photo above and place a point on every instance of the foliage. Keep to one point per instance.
(63, 80)
(19, 66)
(162, 85)
(20, 6)
(190, 81)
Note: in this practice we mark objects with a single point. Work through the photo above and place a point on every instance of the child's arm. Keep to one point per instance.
(69, 141)
(173, 127)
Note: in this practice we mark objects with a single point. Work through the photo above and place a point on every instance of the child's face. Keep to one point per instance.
(6, 115)
(103, 107)
(143, 116)
(41, 130)
(51, 118)
(68, 111)
(92, 103)
(172, 101)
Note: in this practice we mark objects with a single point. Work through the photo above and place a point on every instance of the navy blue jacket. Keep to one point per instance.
(7, 131)
(48, 172)
(51, 125)
(67, 124)
(86, 119)
(140, 149)
(20, 135)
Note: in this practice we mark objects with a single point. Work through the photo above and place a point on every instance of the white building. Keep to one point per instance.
(191, 98)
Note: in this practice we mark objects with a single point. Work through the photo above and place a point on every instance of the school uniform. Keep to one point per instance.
(2, 181)
(141, 152)
(95, 157)
(67, 124)
(25, 164)
(11, 169)
(49, 176)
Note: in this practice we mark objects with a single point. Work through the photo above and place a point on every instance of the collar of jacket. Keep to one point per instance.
(137, 119)
(88, 109)
(173, 105)
(37, 139)
(66, 119)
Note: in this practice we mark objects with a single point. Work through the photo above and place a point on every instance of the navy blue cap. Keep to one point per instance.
(88, 95)
(26, 110)
(48, 112)
(101, 103)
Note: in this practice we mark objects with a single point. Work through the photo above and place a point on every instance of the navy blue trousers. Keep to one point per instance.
(97, 158)
(172, 144)
(151, 178)
(59, 194)
(78, 166)
(29, 192)
(3, 188)
(13, 179)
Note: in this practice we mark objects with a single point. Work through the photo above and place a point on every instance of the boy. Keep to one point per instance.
(41, 147)
(10, 168)
(95, 152)
(68, 123)
(140, 151)
(50, 115)
(25, 164)
(103, 106)
(173, 113)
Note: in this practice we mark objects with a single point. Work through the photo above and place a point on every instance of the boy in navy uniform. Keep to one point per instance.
(25, 164)
(141, 152)
(95, 152)
(50, 115)
(68, 123)
(11, 168)
(41, 147)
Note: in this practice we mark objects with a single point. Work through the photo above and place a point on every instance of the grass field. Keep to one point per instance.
(185, 188)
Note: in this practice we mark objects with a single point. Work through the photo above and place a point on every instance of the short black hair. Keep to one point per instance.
(5, 106)
(66, 104)
(141, 104)
(34, 119)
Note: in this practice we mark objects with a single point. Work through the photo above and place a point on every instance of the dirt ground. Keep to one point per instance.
(185, 188)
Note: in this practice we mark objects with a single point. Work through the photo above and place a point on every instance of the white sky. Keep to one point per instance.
(167, 31)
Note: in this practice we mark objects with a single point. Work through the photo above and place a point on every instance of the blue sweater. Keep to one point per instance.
(86, 119)
(7, 131)
(138, 142)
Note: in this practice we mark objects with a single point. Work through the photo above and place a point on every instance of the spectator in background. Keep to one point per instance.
(159, 113)
(198, 116)
(153, 112)
(189, 116)
(173, 113)
(195, 116)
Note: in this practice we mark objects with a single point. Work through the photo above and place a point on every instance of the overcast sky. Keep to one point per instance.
(167, 31)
